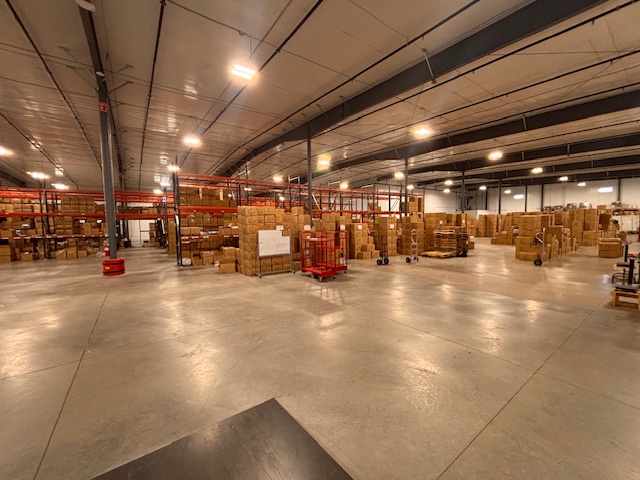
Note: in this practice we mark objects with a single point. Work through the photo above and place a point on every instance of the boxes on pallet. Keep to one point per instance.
(610, 248)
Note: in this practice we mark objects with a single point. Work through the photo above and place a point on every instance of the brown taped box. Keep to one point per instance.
(5, 258)
(228, 268)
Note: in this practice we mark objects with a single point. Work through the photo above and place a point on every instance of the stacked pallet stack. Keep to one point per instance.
(409, 224)
(386, 235)
(452, 239)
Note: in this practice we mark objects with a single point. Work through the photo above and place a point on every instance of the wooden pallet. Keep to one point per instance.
(617, 294)
(438, 254)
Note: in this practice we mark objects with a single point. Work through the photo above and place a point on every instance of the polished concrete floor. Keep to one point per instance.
(469, 368)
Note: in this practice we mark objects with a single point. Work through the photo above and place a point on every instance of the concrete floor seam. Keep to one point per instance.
(592, 392)
(17, 375)
(512, 397)
(64, 402)
(181, 337)
(447, 339)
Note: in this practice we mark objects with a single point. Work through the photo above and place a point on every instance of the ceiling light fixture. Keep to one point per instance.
(447, 190)
(398, 175)
(507, 192)
(423, 132)
(277, 178)
(323, 162)
(448, 182)
(247, 189)
(243, 72)
(582, 184)
(59, 172)
(59, 186)
(5, 151)
(537, 170)
(495, 155)
(483, 187)
(38, 175)
(165, 184)
(518, 196)
(605, 190)
(410, 187)
(344, 185)
(193, 141)
(173, 168)
(281, 198)
(564, 179)
(157, 191)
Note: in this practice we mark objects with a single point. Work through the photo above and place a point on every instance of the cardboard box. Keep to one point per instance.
(228, 268)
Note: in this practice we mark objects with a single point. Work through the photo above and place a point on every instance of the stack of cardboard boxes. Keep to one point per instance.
(386, 235)
(410, 223)
(358, 236)
(252, 219)
(416, 205)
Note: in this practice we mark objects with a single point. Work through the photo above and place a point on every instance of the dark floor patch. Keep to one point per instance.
(262, 443)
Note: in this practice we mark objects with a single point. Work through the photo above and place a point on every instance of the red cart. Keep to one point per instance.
(324, 254)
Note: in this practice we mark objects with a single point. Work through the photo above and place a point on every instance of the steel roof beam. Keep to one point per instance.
(556, 169)
(10, 178)
(524, 22)
(529, 155)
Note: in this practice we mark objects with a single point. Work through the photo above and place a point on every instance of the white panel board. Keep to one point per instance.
(271, 242)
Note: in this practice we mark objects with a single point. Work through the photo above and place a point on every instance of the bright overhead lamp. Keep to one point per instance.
(344, 185)
(410, 187)
(423, 132)
(165, 184)
(173, 168)
(447, 190)
(59, 186)
(564, 179)
(507, 192)
(5, 151)
(59, 172)
(582, 184)
(324, 162)
(281, 198)
(605, 190)
(157, 191)
(398, 175)
(448, 182)
(247, 189)
(277, 178)
(193, 141)
(495, 155)
(243, 72)
(38, 175)
(482, 187)
(518, 196)
(537, 170)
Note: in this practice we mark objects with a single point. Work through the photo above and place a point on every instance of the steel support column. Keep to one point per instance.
(406, 186)
(464, 194)
(499, 196)
(309, 176)
(526, 197)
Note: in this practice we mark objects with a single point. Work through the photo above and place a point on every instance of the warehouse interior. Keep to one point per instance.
(319, 239)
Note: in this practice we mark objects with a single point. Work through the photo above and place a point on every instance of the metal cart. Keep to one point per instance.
(384, 251)
(413, 253)
(323, 254)
(542, 256)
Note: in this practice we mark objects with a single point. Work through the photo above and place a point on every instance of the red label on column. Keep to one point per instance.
(102, 106)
